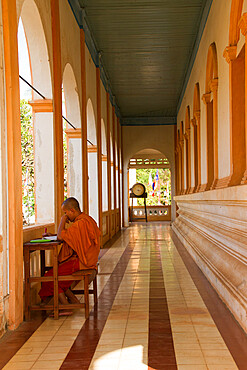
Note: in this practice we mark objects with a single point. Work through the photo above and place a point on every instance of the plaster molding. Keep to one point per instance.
(186, 135)
(214, 232)
(92, 148)
(73, 134)
(243, 24)
(206, 98)
(223, 182)
(41, 105)
(213, 85)
(187, 132)
(224, 279)
(230, 53)
(193, 122)
(197, 114)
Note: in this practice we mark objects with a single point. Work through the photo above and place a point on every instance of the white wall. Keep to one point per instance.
(219, 15)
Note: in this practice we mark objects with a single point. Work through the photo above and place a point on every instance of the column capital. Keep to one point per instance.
(242, 24)
(193, 122)
(213, 84)
(206, 98)
(230, 53)
(41, 105)
(92, 148)
(187, 134)
(73, 134)
(197, 115)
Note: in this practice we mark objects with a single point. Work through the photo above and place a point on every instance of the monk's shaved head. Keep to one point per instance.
(71, 203)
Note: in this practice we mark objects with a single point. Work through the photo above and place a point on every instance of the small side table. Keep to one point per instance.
(42, 247)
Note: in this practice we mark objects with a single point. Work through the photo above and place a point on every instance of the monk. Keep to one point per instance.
(80, 249)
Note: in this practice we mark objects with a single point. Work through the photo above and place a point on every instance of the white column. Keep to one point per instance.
(74, 169)
(44, 166)
(93, 185)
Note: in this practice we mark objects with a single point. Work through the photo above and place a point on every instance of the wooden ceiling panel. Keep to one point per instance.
(145, 48)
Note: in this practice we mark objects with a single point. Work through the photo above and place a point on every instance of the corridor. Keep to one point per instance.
(155, 311)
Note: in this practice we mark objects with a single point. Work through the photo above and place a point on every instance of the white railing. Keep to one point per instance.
(154, 213)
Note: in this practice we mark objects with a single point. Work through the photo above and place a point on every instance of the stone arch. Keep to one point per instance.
(91, 123)
(38, 51)
(210, 98)
(238, 157)
(103, 137)
(150, 158)
(181, 162)
(74, 156)
(197, 137)
(187, 149)
(112, 171)
(92, 162)
(71, 96)
(104, 167)
(234, 31)
(42, 111)
(211, 68)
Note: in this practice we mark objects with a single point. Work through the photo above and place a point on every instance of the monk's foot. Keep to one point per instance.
(62, 313)
(46, 301)
(71, 297)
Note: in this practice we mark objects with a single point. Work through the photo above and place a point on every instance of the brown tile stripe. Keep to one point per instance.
(83, 349)
(233, 335)
(12, 341)
(161, 354)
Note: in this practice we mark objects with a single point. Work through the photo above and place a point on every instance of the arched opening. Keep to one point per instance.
(117, 169)
(187, 149)
(151, 168)
(234, 32)
(112, 174)
(196, 138)
(177, 167)
(37, 126)
(73, 135)
(237, 96)
(92, 162)
(181, 146)
(104, 168)
(237, 90)
(210, 98)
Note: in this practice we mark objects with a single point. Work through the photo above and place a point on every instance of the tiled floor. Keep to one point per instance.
(155, 311)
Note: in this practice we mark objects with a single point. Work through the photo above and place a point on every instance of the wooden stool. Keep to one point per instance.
(87, 276)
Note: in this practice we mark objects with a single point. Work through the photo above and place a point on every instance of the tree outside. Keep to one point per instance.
(158, 185)
(27, 153)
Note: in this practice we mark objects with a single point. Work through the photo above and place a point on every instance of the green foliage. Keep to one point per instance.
(27, 163)
(163, 186)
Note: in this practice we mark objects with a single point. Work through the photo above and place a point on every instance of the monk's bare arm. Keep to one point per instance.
(61, 227)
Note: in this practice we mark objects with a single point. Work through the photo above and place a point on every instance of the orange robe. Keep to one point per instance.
(80, 250)
(83, 238)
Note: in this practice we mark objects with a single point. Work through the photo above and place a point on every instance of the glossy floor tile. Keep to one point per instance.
(155, 311)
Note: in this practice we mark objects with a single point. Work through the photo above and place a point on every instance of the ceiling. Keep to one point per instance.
(147, 49)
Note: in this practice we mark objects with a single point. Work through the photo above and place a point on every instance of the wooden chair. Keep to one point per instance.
(87, 276)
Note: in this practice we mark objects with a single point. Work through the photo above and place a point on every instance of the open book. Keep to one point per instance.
(51, 237)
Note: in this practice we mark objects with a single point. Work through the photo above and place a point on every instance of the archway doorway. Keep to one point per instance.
(151, 168)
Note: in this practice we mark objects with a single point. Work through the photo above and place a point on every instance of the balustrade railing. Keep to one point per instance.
(154, 213)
